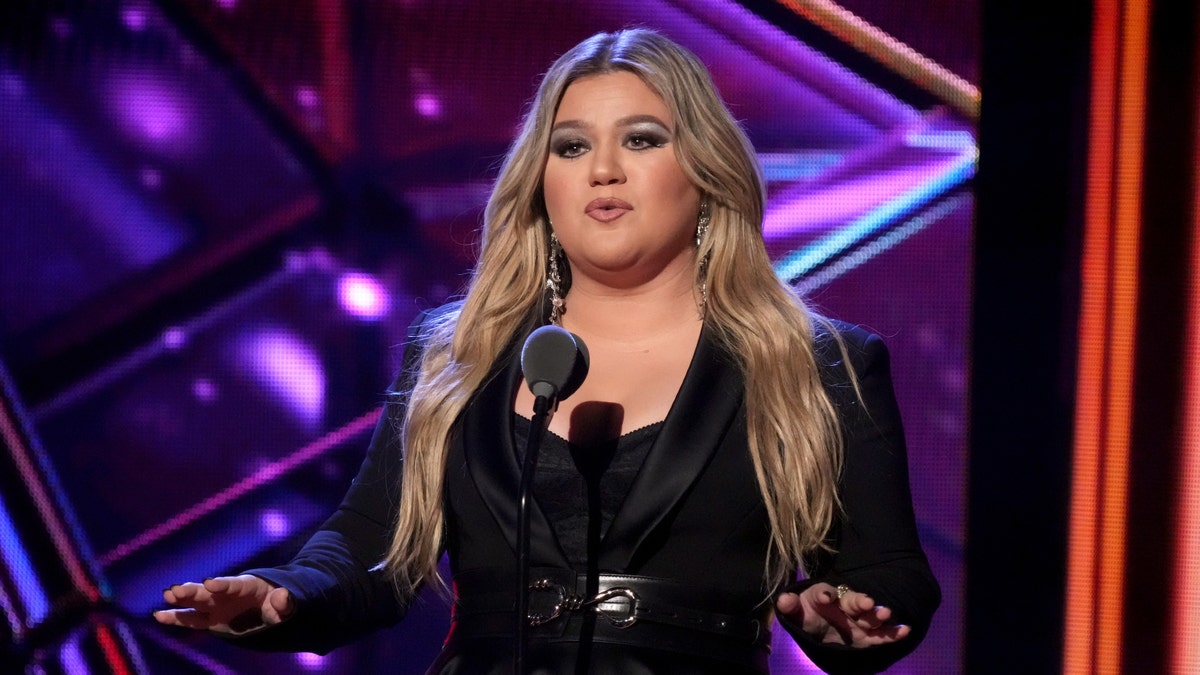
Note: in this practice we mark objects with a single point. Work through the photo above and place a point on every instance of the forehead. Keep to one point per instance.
(594, 97)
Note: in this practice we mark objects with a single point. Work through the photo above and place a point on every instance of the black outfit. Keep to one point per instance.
(692, 520)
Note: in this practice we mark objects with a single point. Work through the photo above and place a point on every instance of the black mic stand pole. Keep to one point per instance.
(542, 407)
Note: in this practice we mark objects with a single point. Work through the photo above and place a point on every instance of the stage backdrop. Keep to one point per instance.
(219, 216)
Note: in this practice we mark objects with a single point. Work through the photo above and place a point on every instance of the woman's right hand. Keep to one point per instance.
(233, 605)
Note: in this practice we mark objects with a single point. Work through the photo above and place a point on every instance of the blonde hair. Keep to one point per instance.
(793, 433)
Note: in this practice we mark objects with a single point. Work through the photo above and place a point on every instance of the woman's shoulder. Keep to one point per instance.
(847, 352)
(835, 340)
(427, 319)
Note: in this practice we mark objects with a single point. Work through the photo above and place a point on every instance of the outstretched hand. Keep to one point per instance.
(231, 605)
(853, 620)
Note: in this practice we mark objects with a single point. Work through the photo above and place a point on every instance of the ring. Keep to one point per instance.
(842, 590)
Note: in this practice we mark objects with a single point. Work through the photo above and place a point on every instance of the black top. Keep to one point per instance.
(580, 487)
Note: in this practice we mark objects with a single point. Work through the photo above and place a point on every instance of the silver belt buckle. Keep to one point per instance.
(618, 604)
(619, 613)
(562, 601)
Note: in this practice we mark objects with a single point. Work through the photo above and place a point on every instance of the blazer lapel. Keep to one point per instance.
(701, 415)
(493, 461)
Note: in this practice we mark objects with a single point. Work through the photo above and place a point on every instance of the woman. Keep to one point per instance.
(724, 439)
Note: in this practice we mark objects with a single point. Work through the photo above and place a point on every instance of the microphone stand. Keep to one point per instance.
(542, 408)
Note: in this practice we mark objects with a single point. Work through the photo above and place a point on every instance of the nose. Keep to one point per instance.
(606, 167)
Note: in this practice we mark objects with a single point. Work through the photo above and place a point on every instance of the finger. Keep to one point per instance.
(226, 585)
(883, 635)
(816, 605)
(854, 603)
(245, 586)
(187, 618)
(878, 616)
(187, 595)
(788, 603)
(278, 607)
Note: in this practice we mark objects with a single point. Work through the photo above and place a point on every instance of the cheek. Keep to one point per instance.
(669, 178)
(552, 190)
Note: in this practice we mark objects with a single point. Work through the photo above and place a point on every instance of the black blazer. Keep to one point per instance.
(693, 514)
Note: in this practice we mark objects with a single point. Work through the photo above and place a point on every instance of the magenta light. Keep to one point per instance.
(428, 106)
(134, 18)
(307, 97)
(154, 109)
(362, 296)
(227, 5)
(310, 661)
(787, 657)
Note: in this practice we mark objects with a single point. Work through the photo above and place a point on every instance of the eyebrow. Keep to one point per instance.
(629, 121)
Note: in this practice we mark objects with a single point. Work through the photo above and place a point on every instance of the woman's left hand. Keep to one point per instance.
(852, 619)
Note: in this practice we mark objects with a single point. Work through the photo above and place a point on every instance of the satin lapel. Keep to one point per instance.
(492, 460)
(695, 427)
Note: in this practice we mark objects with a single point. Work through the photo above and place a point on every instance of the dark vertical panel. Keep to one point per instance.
(1030, 198)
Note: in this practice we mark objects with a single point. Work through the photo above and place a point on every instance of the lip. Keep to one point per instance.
(607, 209)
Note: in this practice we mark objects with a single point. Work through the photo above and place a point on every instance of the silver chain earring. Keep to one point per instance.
(554, 281)
(702, 273)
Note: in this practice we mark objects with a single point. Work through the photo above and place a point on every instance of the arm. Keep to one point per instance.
(332, 591)
(877, 553)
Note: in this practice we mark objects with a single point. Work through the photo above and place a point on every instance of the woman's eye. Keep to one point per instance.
(644, 141)
(569, 149)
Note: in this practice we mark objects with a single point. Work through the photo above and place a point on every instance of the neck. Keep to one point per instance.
(663, 306)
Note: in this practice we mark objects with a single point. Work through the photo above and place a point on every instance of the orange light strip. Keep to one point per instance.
(1093, 318)
(1099, 490)
(877, 44)
(1185, 657)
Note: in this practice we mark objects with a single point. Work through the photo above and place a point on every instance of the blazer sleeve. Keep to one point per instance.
(339, 590)
(875, 545)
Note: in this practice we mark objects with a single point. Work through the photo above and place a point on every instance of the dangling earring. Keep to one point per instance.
(554, 281)
(702, 272)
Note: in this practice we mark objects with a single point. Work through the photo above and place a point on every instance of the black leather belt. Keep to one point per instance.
(616, 608)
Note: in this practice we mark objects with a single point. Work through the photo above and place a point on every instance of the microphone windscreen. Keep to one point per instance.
(554, 362)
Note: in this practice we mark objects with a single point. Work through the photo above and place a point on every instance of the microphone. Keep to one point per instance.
(555, 363)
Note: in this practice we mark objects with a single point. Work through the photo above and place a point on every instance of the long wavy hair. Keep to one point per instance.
(758, 320)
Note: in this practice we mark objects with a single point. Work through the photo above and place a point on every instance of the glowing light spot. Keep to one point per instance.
(288, 368)
(153, 108)
(275, 524)
(134, 18)
(204, 389)
(307, 97)
(310, 661)
(428, 106)
(363, 296)
(227, 5)
(173, 338)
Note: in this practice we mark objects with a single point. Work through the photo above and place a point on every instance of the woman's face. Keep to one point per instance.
(621, 205)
